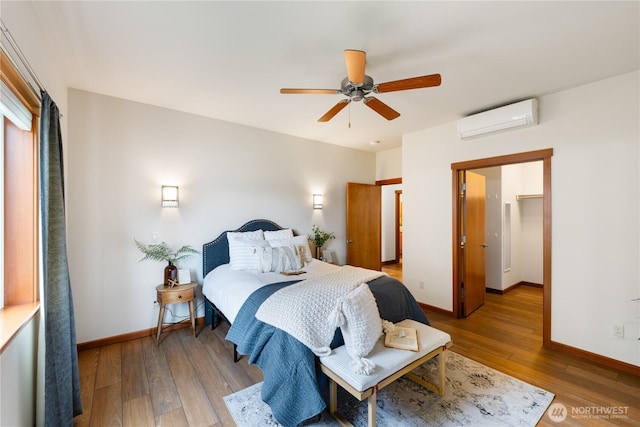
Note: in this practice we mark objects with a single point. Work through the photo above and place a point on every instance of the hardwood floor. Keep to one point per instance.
(182, 381)
(506, 334)
(393, 270)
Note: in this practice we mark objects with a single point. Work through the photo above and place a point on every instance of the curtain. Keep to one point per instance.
(61, 377)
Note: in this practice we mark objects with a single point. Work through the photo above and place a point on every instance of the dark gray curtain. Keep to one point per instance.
(61, 378)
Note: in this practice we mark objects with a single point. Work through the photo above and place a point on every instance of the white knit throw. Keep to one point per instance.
(303, 309)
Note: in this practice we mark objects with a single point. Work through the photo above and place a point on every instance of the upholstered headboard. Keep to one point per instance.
(216, 252)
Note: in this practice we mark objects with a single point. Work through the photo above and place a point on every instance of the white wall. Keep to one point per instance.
(594, 132)
(121, 152)
(17, 377)
(389, 164)
(531, 223)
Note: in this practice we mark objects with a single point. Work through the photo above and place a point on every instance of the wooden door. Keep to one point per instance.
(364, 222)
(474, 281)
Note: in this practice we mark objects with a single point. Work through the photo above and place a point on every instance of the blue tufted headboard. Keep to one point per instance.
(216, 252)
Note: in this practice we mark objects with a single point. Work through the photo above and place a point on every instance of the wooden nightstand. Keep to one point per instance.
(177, 294)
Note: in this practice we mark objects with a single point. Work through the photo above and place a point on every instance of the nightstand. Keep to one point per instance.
(177, 294)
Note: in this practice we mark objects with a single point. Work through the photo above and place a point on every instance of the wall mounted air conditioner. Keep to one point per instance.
(513, 116)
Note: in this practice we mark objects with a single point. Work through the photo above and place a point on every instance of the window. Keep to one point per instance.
(19, 107)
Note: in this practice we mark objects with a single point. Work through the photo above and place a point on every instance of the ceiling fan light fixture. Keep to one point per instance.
(357, 95)
(358, 86)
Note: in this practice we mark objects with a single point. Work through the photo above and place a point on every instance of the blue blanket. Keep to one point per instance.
(293, 386)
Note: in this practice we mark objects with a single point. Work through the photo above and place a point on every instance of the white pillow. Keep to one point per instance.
(243, 254)
(279, 259)
(300, 242)
(246, 235)
(287, 233)
(358, 318)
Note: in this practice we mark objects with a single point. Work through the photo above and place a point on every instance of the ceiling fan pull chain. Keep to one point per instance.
(349, 115)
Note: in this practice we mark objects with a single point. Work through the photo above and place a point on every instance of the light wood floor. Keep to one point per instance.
(182, 381)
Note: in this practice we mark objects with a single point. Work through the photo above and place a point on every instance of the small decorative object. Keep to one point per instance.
(319, 238)
(172, 282)
(402, 337)
(184, 276)
(162, 252)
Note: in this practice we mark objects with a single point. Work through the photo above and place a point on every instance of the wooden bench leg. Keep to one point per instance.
(333, 397)
(438, 388)
(442, 364)
(333, 405)
(371, 404)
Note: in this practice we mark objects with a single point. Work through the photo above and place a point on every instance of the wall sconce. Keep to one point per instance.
(170, 196)
(317, 201)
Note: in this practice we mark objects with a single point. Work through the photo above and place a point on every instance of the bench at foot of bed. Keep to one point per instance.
(391, 364)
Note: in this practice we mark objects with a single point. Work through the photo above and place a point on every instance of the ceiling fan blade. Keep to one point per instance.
(335, 110)
(355, 60)
(288, 91)
(381, 108)
(412, 83)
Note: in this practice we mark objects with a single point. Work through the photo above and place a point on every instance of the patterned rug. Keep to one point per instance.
(476, 395)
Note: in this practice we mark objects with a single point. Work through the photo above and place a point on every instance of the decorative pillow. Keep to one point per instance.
(287, 233)
(358, 318)
(279, 259)
(300, 242)
(242, 250)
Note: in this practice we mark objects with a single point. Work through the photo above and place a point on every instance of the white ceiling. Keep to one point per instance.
(228, 60)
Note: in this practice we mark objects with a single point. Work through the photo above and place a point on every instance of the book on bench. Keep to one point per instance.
(403, 338)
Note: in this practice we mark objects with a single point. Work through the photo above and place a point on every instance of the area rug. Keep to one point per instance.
(476, 395)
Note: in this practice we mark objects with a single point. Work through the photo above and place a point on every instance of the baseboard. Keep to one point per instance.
(439, 310)
(533, 285)
(512, 287)
(602, 360)
(135, 335)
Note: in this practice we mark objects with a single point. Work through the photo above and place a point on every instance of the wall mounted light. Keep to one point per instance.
(170, 196)
(317, 201)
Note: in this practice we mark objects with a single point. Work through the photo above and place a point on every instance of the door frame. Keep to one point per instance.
(526, 157)
(398, 219)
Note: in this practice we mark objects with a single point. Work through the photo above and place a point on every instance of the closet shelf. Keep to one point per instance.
(528, 196)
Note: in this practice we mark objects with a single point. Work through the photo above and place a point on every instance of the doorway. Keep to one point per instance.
(368, 241)
(458, 172)
(391, 226)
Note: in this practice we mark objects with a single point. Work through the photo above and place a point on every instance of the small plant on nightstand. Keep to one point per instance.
(319, 238)
(162, 252)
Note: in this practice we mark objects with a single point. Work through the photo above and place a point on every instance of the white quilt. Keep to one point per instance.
(303, 309)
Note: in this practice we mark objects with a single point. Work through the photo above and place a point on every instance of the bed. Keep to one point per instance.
(294, 387)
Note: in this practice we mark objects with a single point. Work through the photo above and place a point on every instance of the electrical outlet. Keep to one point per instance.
(156, 305)
(421, 285)
(618, 330)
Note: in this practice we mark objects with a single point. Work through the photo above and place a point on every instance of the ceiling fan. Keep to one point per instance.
(357, 86)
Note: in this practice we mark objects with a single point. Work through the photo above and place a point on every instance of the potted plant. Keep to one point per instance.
(162, 252)
(319, 238)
